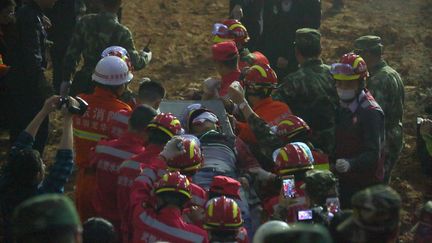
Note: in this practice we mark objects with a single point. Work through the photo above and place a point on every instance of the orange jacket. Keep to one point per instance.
(93, 125)
(270, 111)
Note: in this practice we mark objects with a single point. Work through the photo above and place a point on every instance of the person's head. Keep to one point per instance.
(203, 121)
(98, 230)
(111, 5)
(423, 228)
(162, 128)
(307, 44)
(46, 4)
(268, 229)
(151, 93)
(223, 219)
(112, 73)
(319, 185)
(350, 75)
(7, 11)
(259, 82)
(49, 218)
(375, 217)
(230, 30)
(293, 129)
(173, 190)
(225, 56)
(299, 233)
(26, 167)
(293, 158)
(370, 48)
(140, 118)
(224, 186)
(189, 162)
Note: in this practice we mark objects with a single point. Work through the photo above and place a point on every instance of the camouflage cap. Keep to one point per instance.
(44, 212)
(368, 42)
(375, 209)
(320, 183)
(308, 37)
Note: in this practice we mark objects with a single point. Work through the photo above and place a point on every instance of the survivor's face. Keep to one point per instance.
(202, 127)
(7, 15)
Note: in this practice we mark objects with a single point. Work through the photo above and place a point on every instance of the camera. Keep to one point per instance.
(305, 215)
(77, 109)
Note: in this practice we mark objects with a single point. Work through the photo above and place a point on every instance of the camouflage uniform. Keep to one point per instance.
(320, 184)
(45, 212)
(311, 94)
(375, 217)
(387, 88)
(94, 33)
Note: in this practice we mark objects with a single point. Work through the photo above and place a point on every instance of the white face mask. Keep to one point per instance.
(346, 94)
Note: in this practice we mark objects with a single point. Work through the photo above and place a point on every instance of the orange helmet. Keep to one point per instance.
(350, 67)
(118, 51)
(190, 161)
(174, 182)
(222, 213)
(293, 157)
(167, 123)
(290, 127)
(230, 29)
(260, 76)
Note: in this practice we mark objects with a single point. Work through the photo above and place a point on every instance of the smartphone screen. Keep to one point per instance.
(332, 204)
(304, 215)
(288, 184)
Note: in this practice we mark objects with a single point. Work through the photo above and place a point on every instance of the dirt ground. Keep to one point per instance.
(181, 32)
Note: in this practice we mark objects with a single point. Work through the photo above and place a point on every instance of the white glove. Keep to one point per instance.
(148, 55)
(211, 85)
(342, 165)
(173, 148)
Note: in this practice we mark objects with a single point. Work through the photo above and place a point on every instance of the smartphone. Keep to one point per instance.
(288, 185)
(333, 204)
(304, 215)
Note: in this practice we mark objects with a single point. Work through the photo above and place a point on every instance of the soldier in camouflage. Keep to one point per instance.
(47, 218)
(320, 185)
(310, 92)
(375, 217)
(94, 33)
(387, 88)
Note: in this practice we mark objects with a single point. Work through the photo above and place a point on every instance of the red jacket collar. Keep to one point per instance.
(262, 102)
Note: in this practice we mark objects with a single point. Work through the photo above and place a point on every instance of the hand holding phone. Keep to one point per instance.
(305, 215)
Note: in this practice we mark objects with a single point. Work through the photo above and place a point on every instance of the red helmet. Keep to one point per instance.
(230, 29)
(222, 213)
(118, 51)
(190, 161)
(291, 126)
(167, 123)
(174, 182)
(293, 157)
(260, 76)
(350, 67)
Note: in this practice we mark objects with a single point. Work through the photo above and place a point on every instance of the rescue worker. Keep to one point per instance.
(111, 77)
(423, 229)
(358, 158)
(164, 222)
(150, 93)
(387, 88)
(292, 160)
(223, 220)
(94, 33)
(27, 85)
(23, 176)
(137, 174)
(232, 29)
(375, 217)
(99, 230)
(109, 154)
(310, 92)
(226, 57)
(63, 17)
(47, 218)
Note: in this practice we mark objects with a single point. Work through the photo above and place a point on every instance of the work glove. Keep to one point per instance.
(342, 165)
(211, 88)
(173, 148)
(147, 55)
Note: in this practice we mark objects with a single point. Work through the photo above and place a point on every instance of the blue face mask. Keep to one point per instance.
(346, 95)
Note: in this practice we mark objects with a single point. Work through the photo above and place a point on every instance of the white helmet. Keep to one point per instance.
(112, 70)
(269, 228)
